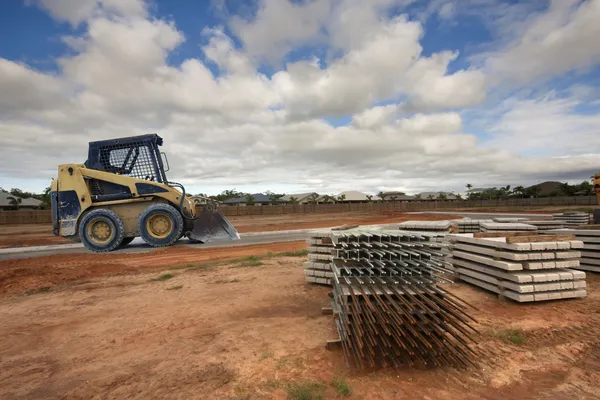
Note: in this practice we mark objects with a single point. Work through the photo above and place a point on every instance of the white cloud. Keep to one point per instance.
(78, 11)
(546, 125)
(280, 25)
(561, 39)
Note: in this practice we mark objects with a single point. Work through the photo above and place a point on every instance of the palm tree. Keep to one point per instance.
(370, 198)
(381, 195)
(469, 186)
(312, 199)
(535, 190)
(519, 190)
(327, 198)
(341, 197)
(442, 196)
(430, 197)
(14, 201)
(274, 197)
(393, 198)
(418, 196)
(249, 199)
(293, 200)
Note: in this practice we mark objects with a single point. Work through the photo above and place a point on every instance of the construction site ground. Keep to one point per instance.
(241, 323)
(41, 234)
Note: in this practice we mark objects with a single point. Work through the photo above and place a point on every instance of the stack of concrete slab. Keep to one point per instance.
(590, 253)
(573, 218)
(508, 219)
(506, 227)
(467, 225)
(546, 224)
(524, 272)
(317, 268)
(426, 226)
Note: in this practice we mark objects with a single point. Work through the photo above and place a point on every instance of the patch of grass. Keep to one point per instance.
(163, 277)
(342, 387)
(175, 287)
(206, 265)
(250, 261)
(514, 336)
(222, 281)
(271, 384)
(306, 390)
(43, 289)
(298, 253)
(266, 354)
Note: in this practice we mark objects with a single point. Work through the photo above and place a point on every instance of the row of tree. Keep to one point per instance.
(585, 188)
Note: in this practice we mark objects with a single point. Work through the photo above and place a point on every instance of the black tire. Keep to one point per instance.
(160, 237)
(127, 240)
(597, 216)
(94, 227)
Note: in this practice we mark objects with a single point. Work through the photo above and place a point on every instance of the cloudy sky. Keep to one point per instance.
(292, 96)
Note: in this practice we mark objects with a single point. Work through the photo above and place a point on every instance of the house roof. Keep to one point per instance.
(398, 197)
(298, 196)
(258, 198)
(353, 195)
(30, 201)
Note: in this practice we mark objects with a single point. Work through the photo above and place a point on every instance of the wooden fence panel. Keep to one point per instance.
(45, 217)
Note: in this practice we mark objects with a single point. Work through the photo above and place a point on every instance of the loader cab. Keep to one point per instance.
(134, 156)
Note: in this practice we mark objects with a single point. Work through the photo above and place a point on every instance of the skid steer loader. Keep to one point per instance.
(121, 192)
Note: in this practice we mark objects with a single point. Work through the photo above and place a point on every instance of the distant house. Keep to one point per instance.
(10, 202)
(397, 196)
(301, 198)
(258, 199)
(436, 196)
(352, 196)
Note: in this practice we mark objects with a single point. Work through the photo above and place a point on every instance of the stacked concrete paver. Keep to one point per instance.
(573, 218)
(426, 226)
(590, 253)
(524, 272)
(317, 268)
(468, 225)
(506, 227)
(545, 224)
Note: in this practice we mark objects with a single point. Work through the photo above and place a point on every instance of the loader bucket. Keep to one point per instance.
(212, 226)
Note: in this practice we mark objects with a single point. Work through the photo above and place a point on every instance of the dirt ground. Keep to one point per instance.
(116, 326)
(37, 235)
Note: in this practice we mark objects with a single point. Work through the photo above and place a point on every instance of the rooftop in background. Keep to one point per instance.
(5, 201)
(297, 196)
(257, 198)
(353, 195)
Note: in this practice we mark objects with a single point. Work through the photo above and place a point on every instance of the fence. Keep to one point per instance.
(43, 216)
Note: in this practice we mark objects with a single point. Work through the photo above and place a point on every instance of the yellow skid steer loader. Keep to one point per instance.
(121, 192)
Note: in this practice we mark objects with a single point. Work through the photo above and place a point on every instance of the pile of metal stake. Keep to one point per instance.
(389, 308)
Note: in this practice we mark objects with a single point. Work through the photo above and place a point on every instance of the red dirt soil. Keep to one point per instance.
(38, 235)
(235, 332)
(19, 275)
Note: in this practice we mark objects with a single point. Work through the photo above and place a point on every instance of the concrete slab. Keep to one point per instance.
(590, 254)
(590, 268)
(504, 265)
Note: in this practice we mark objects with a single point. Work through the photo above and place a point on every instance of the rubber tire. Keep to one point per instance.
(176, 219)
(127, 240)
(597, 216)
(116, 224)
